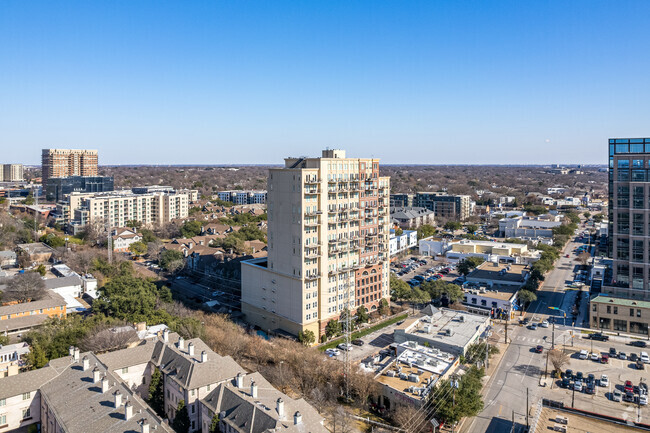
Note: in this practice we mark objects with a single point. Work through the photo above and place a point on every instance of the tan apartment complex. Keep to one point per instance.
(328, 229)
(68, 162)
(11, 172)
(116, 208)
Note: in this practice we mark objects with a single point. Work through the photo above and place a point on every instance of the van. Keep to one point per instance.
(644, 358)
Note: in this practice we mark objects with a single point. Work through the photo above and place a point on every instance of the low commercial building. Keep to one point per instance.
(8, 259)
(434, 246)
(411, 217)
(495, 275)
(403, 242)
(529, 226)
(409, 379)
(37, 252)
(448, 330)
(491, 289)
(609, 313)
(490, 251)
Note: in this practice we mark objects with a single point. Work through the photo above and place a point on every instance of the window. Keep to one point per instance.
(208, 388)
(26, 413)
(193, 406)
(3, 419)
(2, 402)
(638, 313)
(593, 308)
(125, 370)
(192, 392)
(609, 309)
(631, 312)
(27, 395)
(615, 310)
(624, 163)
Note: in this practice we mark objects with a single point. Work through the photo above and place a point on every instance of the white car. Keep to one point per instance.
(583, 354)
(644, 358)
(604, 380)
(595, 356)
(332, 352)
(544, 324)
(643, 399)
(345, 346)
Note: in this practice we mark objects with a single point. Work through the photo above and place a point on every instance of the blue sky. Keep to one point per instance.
(216, 82)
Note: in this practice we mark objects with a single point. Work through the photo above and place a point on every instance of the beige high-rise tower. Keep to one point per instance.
(328, 230)
(68, 162)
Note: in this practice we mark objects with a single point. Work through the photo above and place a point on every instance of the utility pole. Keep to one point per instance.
(454, 386)
(348, 333)
(507, 330)
(553, 336)
(512, 430)
(527, 410)
(573, 397)
(546, 367)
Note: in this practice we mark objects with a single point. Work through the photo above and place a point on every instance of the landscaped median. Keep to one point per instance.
(363, 332)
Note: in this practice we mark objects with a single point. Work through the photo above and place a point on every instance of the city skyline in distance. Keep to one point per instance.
(429, 83)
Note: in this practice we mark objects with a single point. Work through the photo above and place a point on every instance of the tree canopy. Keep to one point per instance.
(466, 265)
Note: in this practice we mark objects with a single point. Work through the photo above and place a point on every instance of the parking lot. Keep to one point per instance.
(372, 343)
(425, 268)
(618, 372)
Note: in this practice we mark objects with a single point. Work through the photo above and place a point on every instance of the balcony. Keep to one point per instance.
(312, 276)
(312, 181)
(312, 191)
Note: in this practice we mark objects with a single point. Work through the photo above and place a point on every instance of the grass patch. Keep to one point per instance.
(363, 332)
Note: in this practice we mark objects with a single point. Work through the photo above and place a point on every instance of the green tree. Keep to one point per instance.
(439, 288)
(36, 358)
(452, 225)
(399, 289)
(52, 240)
(333, 328)
(214, 424)
(148, 236)
(307, 337)
(535, 209)
(467, 264)
(128, 298)
(41, 269)
(398, 231)
(135, 224)
(598, 218)
(419, 296)
(426, 230)
(362, 315)
(526, 297)
(384, 307)
(138, 248)
(181, 423)
(190, 229)
(29, 200)
(466, 401)
(4, 340)
(587, 215)
(156, 397)
(171, 260)
(471, 228)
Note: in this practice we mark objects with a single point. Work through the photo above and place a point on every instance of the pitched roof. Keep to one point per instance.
(21, 383)
(79, 405)
(140, 354)
(50, 300)
(248, 414)
(57, 283)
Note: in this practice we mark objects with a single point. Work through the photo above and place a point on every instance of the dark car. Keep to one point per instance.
(358, 342)
(599, 337)
(591, 389)
(591, 379)
(638, 343)
(579, 375)
(633, 357)
(566, 382)
(539, 349)
(525, 321)
(629, 397)
(568, 373)
(612, 352)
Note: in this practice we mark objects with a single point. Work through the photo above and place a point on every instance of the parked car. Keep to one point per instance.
(345, 346)
(640, 365)
(642, 399)
(539, 349)
(544, 324)
(583, 354)
(591, 389)
(566, 382)
(577, 385)
(629, 397)
(617, 395)
(644, 357)
(579, 376)
(525, 321)
(638, 343)
(568, 373)
(591, 379)
(622, 355)
(332, 352)
(628, 386)
(604, 358)
(358, 342)
(533, 327)
(595, 356)
(633, 357)
(612, 351)
(643, 388)
(604, 380)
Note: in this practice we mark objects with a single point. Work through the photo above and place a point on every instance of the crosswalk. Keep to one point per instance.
(559, 338)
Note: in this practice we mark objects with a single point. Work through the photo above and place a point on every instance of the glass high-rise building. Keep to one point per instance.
(629, 218)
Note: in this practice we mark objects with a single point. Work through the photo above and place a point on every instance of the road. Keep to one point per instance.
(520, 368)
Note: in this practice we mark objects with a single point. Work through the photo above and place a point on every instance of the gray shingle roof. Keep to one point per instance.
(29, 381)
(11, 325)
(50, 300)
(80, 406)
(137, 355)
(55, 283)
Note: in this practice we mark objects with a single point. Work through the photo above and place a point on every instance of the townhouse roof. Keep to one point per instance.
(28, 381)
(57, 283)
(188, 371)
(36, 248)
(409, 212)
(79, 404)
(7, 254)
(50, 300)
(140, 354)
(24, 322)
(247, 414)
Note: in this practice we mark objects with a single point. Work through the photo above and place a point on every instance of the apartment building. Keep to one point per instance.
(119, 207)
(243, 197)
(57, 188)
(411, 217)
(11, 173)
(328, 228)
(68, 162)
(401, 200)
(444, 206)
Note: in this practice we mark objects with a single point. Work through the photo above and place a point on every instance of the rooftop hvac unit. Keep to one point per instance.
(560, 428)
(403, 376)
(420, 371)
(461, 318)
(561, 419)
(427, 329)
(414, 378)
(390, 373)
(448, 332)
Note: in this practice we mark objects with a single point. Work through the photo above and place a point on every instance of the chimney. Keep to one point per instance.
(104, 384)
(190, 349)
(96, 374)
(117, 399)
(71, 350)
(204, 356)
(76, 354)
(253, 389)
(128, 410)
(280, 408)
(85, 363)
(181, 343)
(297, 418)
(239, 380)
(144, 425)
(166, 335)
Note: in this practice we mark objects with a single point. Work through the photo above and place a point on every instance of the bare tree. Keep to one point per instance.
(105, 337)
(341, 421)
(408, 418)
(24, 288)
(558, 358)
(583, 258)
